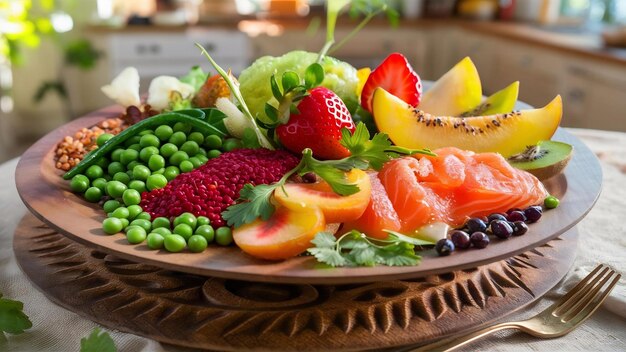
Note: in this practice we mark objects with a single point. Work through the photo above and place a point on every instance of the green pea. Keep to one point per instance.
(156, 182)
(107, 177)
(186, 218)
(178, 138)
(156, 162)
(171, 172)
(203, 220)
(121, 177)
(168, 149)
(110, 205)
(137, 185)
(103, 163)
(195, 162)
(143, 223)
(201, 151)
(128, 155)
(136, 235)
(182, 127)
(144, 216)
(163, 132)
(186, 166)
(125, 223)
(206, 231)
(112, 226)
(120, 213)
(161, 230)
(551, 202)
(161, 222)
(155, 240)
(93, 194)
(115, 167)
(149, 140)
(197, 243)
(131, 166)
(190, 147)
(94, 172)
(135, 146)
(224, 236)
(131, 197)
(132, 140)
(183, 230)
(202, 158)
(145, 132)
(100, 183)
(79, 183)
(133, 211)
(116, 154)
(147, 152)
(174, 243)
(231, 144)
(159, 171)
(196, 137)
(178, 157)
(103, 138)
(213, 153)
(115, 188)
(213, 141)
(141, 172)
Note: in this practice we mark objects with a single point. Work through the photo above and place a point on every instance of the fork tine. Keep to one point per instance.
(597, 301)
(572, 296)
(589, 295)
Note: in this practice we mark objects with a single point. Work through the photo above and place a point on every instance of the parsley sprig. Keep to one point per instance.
(357, 249)
(255, 201)
(12, 318)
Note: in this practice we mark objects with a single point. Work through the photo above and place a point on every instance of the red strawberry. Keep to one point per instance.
(318, 125)
(396, 76)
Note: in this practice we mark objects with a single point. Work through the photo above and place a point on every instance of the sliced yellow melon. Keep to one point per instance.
(500, 102)
(506, 134)
(457, 91)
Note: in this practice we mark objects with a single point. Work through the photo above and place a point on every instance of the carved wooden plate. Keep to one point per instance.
(49, 197)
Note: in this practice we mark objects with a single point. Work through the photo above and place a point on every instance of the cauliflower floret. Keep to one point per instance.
(161, 89)
(124, 89)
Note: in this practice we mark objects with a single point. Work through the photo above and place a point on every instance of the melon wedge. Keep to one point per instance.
(506, 134)
(457, 91)
(500, 102)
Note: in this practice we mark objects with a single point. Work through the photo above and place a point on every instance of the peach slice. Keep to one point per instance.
(336, 208)
(506, 134)
(287, 233)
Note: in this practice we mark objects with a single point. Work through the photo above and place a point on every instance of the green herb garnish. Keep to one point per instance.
(255, 201)
(12, 318)
(97, 341)
(357, 249)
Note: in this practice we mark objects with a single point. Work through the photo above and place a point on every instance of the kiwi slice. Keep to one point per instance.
(544, 160)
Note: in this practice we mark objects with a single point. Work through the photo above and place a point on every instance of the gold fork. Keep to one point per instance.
(557, 320)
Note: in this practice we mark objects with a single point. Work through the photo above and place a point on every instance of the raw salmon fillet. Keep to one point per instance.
(450, 187)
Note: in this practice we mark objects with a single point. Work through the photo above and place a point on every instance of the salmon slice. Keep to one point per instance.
(412, 192)
(379, 214)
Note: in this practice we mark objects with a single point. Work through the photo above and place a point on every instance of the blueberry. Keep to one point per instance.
(496, 216)
(501, 229)
(444, 247)
(475, 225)
(520, 228)
(512, 210)
(479, 239)
(533, 213)
(516, 215)
(460, 239)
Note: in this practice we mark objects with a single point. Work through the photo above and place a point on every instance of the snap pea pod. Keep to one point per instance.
(194, 117)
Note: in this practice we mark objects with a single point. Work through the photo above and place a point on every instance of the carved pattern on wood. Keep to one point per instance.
(221, 314)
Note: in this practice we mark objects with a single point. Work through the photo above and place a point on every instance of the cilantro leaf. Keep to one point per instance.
(12, 318)
(97, 341)
(255, 203)
(365, 256)
(336, 178)
(324, 240)
(399, 254)
(328, 256)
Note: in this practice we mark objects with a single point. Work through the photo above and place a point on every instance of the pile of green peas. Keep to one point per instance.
(186, 231)
(148, 161)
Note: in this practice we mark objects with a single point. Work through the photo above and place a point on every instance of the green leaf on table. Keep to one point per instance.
(12, 318)
(97, 341)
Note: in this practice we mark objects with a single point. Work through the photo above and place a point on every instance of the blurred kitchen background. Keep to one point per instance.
(56, 54)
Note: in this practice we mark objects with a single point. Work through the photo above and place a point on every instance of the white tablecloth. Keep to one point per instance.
(603, 240)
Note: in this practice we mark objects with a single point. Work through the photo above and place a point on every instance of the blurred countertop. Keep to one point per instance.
(578, 42)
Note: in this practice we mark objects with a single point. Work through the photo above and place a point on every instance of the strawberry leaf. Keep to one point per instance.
(276, 92)
(271, 112)
(290, 81)
(313, 76)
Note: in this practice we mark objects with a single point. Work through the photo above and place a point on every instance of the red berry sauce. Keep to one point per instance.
(214, 186)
